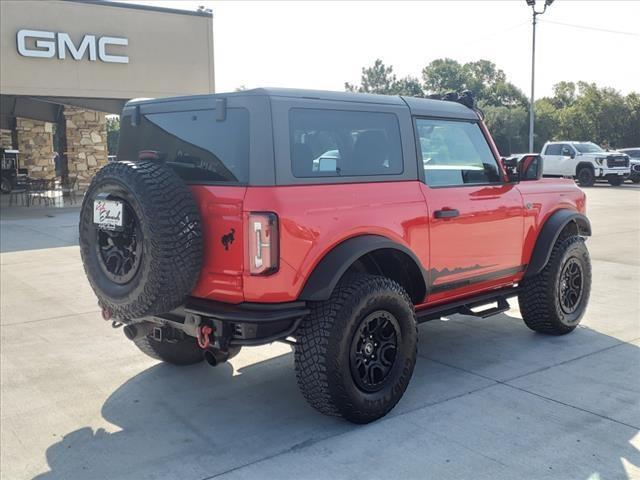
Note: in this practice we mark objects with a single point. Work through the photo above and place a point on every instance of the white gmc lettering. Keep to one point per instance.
(47, 44)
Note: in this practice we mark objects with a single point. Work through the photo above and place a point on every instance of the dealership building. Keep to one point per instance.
(67, 64)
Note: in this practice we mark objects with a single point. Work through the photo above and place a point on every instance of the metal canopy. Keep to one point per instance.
(49, 109)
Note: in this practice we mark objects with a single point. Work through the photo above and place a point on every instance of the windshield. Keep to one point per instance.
(588, 147)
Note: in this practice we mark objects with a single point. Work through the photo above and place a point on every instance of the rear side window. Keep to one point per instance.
(554, 149)
(455, 153)
(194, 143)
(337, 143)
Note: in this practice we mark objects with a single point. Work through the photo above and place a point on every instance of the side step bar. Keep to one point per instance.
(465, 305)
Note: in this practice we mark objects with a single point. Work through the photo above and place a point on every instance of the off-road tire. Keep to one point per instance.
(171, 239)
(586, 177)
(635, 178)
(539, 297)
(5, 186)
(324, 342)
(181, 351)
(615, 181)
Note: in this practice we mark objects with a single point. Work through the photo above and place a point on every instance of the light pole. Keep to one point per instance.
(532, 4)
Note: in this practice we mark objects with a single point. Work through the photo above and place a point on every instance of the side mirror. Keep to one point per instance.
(523, 168)
(530, 167)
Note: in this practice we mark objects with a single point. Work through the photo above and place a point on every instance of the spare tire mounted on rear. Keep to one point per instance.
(149, 259)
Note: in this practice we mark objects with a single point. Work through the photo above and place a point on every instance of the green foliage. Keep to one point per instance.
(586, 112)
(575, 111)
(509, 127)
(113, 134)
(483, 78)
(380, 79)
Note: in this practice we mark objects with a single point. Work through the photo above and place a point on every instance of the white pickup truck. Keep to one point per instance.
(584, 161)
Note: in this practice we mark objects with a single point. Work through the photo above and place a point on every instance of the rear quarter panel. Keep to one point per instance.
(313, 219)
(223, 265)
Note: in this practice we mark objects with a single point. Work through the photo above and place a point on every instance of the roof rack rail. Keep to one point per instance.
(466, 98)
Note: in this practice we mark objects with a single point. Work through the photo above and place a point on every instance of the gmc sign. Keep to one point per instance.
(48, 44)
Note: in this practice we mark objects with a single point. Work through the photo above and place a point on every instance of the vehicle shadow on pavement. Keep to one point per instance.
(197, 422)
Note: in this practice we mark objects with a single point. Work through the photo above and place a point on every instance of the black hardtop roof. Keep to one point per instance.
(418, 106)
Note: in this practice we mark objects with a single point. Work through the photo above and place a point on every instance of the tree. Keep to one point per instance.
(113, 134)
(380, 79)
(575, 111)
(488, 83)
(444, 75)
(509, 128)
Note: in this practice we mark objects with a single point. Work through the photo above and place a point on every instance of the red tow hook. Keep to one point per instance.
(203, 336)
(106, 314)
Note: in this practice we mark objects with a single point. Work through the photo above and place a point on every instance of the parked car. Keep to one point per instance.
(634, 158)
(584, 161)
(214, 231)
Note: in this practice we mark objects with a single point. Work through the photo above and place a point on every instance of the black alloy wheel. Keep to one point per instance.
(570, 285)
(120, 251)
(586, 177)
(373, 350)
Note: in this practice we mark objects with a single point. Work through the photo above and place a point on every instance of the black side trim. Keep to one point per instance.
(443, 287)
(328, 272)
(550, 233)
(462, 306)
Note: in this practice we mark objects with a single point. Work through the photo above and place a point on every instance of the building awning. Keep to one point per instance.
(49, 109)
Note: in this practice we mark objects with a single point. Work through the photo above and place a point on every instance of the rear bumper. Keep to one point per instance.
(244, 324)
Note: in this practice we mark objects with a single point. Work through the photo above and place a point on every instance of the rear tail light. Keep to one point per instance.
(263, 243)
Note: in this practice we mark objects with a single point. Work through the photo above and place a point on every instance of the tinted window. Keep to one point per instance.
(566, 150)
(554, 149)
(331, 143)
(455, 153)
(588, 147)
(194, 143)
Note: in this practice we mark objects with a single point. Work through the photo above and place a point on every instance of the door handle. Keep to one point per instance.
(446, 213)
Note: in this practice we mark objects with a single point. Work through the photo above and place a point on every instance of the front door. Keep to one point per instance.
(476, 219)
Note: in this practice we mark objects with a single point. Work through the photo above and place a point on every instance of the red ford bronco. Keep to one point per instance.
(336, 222)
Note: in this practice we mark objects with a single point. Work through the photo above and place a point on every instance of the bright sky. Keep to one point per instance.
(321, 45)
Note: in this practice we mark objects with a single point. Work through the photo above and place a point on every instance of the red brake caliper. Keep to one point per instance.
(203, 336)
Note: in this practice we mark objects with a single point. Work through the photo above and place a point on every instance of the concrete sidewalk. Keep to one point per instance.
(488, 399)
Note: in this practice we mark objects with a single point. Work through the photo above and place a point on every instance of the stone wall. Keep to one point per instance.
(5, 139)
(86, 143)
(35, 143)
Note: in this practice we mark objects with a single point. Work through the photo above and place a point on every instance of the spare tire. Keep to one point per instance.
(152, 261)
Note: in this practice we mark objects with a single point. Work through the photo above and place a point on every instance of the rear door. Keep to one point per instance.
(567, 162)
(476, 219)
(552, 159)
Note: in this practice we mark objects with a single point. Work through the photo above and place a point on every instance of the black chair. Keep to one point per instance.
(40, 189)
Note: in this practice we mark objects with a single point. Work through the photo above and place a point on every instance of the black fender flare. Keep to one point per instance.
(336, 262)
(549, 234)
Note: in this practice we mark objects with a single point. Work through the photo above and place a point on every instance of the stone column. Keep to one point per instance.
(86, 143)
(5, 139)
(35, 143)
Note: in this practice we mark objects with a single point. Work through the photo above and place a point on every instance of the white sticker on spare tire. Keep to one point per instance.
(107, 213)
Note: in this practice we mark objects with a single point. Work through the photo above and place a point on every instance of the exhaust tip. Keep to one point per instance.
(210, 358)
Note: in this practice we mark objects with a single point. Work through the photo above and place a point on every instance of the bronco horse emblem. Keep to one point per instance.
(228, 238)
